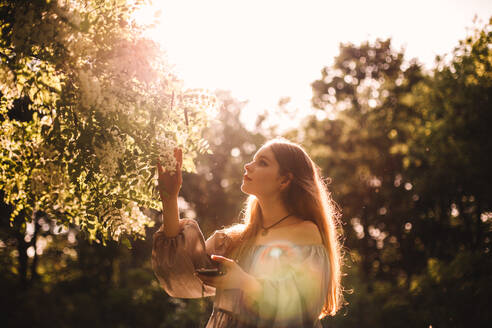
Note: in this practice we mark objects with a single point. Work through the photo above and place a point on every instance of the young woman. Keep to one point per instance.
(279, 268)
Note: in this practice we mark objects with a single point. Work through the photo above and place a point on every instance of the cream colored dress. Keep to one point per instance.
(294, 278)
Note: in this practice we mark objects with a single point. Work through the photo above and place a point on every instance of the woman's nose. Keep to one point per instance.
(247, 166)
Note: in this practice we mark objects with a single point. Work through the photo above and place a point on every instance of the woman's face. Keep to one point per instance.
(261, 177)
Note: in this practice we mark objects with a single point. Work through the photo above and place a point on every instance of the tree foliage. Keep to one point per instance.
(99, 107)
(408, 153)
(82, 275)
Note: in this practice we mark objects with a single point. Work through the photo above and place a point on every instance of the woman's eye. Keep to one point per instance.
(263, 163)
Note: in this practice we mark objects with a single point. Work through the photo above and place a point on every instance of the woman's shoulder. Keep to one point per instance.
(306, 233)
(301, 233)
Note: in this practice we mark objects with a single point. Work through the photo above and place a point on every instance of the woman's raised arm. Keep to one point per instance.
(179, 247)
(169, 185)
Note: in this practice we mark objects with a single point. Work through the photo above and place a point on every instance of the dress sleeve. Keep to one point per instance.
(217, 243)
(293, 294)
(174, 259)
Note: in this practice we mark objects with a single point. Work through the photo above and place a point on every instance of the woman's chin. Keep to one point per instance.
(245, 190)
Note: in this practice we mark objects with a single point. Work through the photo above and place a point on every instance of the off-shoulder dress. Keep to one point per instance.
(294, 278)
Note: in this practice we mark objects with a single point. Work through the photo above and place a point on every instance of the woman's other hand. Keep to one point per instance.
(234, 278)
(170, 182)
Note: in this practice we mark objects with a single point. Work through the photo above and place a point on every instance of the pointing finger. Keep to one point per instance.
(178, 154)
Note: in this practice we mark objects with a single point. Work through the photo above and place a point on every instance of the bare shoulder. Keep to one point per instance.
(306, 233)
(313, 231)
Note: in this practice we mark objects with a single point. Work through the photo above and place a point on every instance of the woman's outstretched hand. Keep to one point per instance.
(234, 278)
(170, 183)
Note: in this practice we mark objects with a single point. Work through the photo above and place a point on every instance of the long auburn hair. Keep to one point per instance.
(307, 197)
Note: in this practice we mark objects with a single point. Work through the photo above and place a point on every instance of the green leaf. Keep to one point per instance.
(126, 242)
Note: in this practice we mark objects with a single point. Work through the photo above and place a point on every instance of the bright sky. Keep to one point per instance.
(263, 50)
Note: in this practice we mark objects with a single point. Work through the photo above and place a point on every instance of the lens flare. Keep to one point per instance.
(288, 275)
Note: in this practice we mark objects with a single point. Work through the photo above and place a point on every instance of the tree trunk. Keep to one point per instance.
(22, 247)
(34, 264)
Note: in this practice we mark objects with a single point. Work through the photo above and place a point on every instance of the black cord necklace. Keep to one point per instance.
(265, 230)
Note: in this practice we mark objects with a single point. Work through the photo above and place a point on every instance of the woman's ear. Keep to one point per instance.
(286, 180)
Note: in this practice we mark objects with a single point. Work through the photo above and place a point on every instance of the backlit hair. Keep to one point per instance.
(307, 197)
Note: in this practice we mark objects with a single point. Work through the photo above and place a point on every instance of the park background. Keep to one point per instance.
(405, 146)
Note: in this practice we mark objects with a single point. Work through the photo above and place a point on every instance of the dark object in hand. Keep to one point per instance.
(210, 272)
